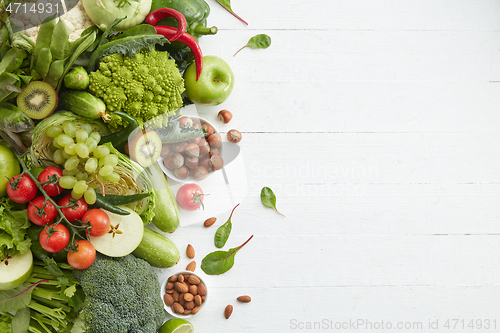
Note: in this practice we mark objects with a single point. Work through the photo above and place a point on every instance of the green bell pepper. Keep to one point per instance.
(196, 13)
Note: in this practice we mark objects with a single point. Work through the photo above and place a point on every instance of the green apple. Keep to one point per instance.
(9, 167)
(214, 85)
(17, 270)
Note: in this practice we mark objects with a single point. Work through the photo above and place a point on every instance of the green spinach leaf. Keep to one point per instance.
(269, 199)
(223, 232)
(227, 5)
(21, 321)
(260, 41)
(219, 262)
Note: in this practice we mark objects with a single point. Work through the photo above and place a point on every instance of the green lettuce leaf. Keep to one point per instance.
(13, 225)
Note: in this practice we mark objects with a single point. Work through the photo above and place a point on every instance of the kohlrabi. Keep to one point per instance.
(104, 12)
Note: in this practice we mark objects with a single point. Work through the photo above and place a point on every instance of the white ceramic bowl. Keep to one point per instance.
(169, 309)
(170, 173)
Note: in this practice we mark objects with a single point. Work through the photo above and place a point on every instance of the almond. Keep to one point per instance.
(227, 311)
(168, 299)
(181, 287)
(186, 312)
(193, 289)
(175, 296)
(180, 278)
(202, 290)
(177, 308)
(188, 297)
(209, 222)
(191, 266)
(182, 301)
(244, 299)
(195, 310)
(193, 279)
(190, 251)
(197, 300)
(173, 278)
(170, 285)
(189, 305)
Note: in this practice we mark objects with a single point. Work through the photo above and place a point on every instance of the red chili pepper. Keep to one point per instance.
(162, 13)
(187, 40)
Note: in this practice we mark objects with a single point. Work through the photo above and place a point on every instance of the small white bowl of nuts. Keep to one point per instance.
(184, 294)
(194, 159)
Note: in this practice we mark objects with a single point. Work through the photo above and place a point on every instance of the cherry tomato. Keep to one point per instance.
(52, 172)
(57, 241)
(190, 197)
(73, 213)
(99, 222)
(21, 188)
(83, 257)
(40, 215)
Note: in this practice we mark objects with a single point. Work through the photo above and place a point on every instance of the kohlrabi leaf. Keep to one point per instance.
(175, 133)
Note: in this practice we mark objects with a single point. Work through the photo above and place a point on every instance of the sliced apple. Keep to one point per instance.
(15, 270)
(124, 236)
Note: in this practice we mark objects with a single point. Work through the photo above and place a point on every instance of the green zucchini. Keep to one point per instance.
(82, 103)
(166, 210)
(157, 250)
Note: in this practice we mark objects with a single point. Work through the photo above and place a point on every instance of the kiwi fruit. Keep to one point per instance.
(145, 148)
(38, 100)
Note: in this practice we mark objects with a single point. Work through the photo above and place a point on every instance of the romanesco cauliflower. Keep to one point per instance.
(147, 86)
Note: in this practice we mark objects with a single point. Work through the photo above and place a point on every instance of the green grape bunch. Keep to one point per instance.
(87, 165)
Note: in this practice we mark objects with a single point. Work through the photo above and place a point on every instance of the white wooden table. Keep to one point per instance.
(376, 123)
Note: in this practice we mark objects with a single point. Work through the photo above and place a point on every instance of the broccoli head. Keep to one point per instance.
(122, 296)
(145, 86)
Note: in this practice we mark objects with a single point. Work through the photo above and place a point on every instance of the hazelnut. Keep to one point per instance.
(191, 162)
(192, 150)
(179, 146)
(194, 140)
(176, 160)
(167, 164)
(204, 147)
(181, 172)
(185, 121)
(214, 151)
(191, 172)
(225, 116)
(233, 136)
(209, 130)
(165, 150)
(216, 162)
(197, 125)
(200, 172)
(205, 162)
(215, 140)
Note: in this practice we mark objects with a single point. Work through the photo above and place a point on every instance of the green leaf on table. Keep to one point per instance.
(269, 199)
(15, 299)
(219, 262)
(21, 321)
(227, 5)
(260, 41)
(223, 232)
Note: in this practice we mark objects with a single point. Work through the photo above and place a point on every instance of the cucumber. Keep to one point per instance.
(157, 250)
(82, 103)
(77, 78)
(166, 210)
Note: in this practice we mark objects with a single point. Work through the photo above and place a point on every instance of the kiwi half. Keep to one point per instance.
(38, 100)
(145, 148)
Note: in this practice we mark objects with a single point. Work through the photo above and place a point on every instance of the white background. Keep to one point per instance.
(376, 123)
